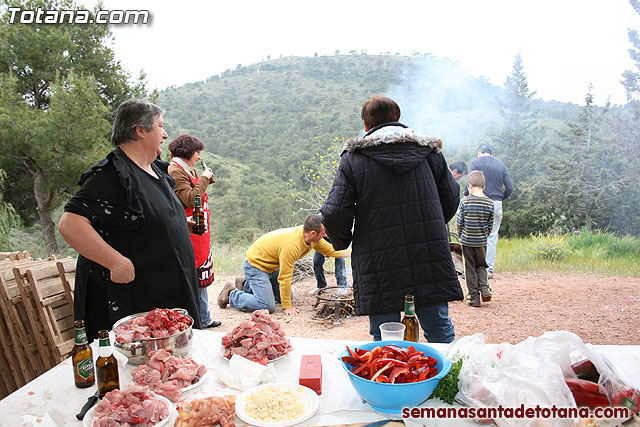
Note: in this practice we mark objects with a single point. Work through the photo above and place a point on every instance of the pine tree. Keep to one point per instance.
(515, 141)
(591, 172)
(519, 144)
(52, 147)
(45, 71)
(624, 216)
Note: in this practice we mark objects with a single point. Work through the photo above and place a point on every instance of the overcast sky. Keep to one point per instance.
(565, 44)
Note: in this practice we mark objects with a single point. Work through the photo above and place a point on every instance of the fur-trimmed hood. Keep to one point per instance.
(393, 134)
(394, 146)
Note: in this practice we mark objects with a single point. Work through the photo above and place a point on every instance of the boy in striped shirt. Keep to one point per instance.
(475, 220)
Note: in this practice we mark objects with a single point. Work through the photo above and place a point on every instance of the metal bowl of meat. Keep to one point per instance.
(139, 334)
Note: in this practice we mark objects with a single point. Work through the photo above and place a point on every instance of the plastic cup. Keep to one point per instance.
(392, 331)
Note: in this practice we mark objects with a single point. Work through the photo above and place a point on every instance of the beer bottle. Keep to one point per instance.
(198, 218)
(410, 322)
(204, 166)
(82, 358)
(106, 365)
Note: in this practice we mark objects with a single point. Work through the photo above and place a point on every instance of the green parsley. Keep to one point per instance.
(448, 386)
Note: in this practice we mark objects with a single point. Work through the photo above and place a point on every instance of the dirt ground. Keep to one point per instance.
(601, 310)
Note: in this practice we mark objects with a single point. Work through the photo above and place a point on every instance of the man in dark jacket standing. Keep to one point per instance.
(398, 188)
(498, 187)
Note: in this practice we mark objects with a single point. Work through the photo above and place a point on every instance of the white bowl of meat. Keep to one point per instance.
(134, 405)
(160, 329)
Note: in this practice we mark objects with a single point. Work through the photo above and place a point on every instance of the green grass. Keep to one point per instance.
(595, 252)
(228, 258)
(586, 256)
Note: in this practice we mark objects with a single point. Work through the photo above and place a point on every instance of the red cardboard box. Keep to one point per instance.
(311, 372)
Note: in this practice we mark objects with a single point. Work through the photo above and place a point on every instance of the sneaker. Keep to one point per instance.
(314, 291)
(475, 303)
(486, 297)
(490, 275)
(212, 324)
(223, 297)
(239, 282)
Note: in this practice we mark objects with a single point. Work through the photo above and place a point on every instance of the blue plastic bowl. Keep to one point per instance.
(393, 397)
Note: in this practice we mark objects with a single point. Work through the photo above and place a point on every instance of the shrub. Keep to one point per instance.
(606, 244)
(550, 247)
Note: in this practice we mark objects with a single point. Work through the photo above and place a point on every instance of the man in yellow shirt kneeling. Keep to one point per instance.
(268, 267)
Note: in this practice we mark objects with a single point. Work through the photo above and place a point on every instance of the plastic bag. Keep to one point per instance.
(529, 373)
(532, 373)
(618, 391)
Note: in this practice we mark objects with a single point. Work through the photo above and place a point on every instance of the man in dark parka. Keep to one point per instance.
(397, 187)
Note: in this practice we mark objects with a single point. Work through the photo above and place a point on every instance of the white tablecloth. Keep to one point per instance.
(55, 393)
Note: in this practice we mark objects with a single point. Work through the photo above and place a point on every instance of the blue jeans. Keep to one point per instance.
(492, 239)
(261, 290)
(203, 300)
(318, 270)
(434, 321)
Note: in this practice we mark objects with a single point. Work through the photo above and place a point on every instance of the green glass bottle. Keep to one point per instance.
(198, 217)
(82, 358)
(411, 326)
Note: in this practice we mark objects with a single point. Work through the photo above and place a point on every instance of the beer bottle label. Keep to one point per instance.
(81, 336)
(85, 368)
(104, 342)
(409, 309)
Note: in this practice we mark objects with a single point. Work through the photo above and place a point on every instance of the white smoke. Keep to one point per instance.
(437, 97)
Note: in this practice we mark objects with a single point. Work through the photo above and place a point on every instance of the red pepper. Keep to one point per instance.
(366, 367)
(350, 360)
(351, 352)
(407, 364)
(431, 362)
(586, 370)
(413, 359)
(587, 393)
(397, 371)
(388, 365)
(397, 350)
(412, 351)
(395, 362)
(382, 379)
(627, 397)
(582, 385)
(360, 368)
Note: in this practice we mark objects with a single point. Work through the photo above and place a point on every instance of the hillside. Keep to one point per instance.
(264, 121)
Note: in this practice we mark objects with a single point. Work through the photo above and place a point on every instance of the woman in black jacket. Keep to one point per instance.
(397, 187)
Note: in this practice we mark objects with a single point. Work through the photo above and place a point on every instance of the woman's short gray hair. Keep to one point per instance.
(131, 114)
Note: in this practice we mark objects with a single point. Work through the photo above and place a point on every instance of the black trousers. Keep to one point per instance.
(475, 271)
(96, 315)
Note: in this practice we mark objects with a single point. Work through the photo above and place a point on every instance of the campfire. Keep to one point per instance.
(333, 302)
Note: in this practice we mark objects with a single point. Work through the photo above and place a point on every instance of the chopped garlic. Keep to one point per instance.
(272, 404)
